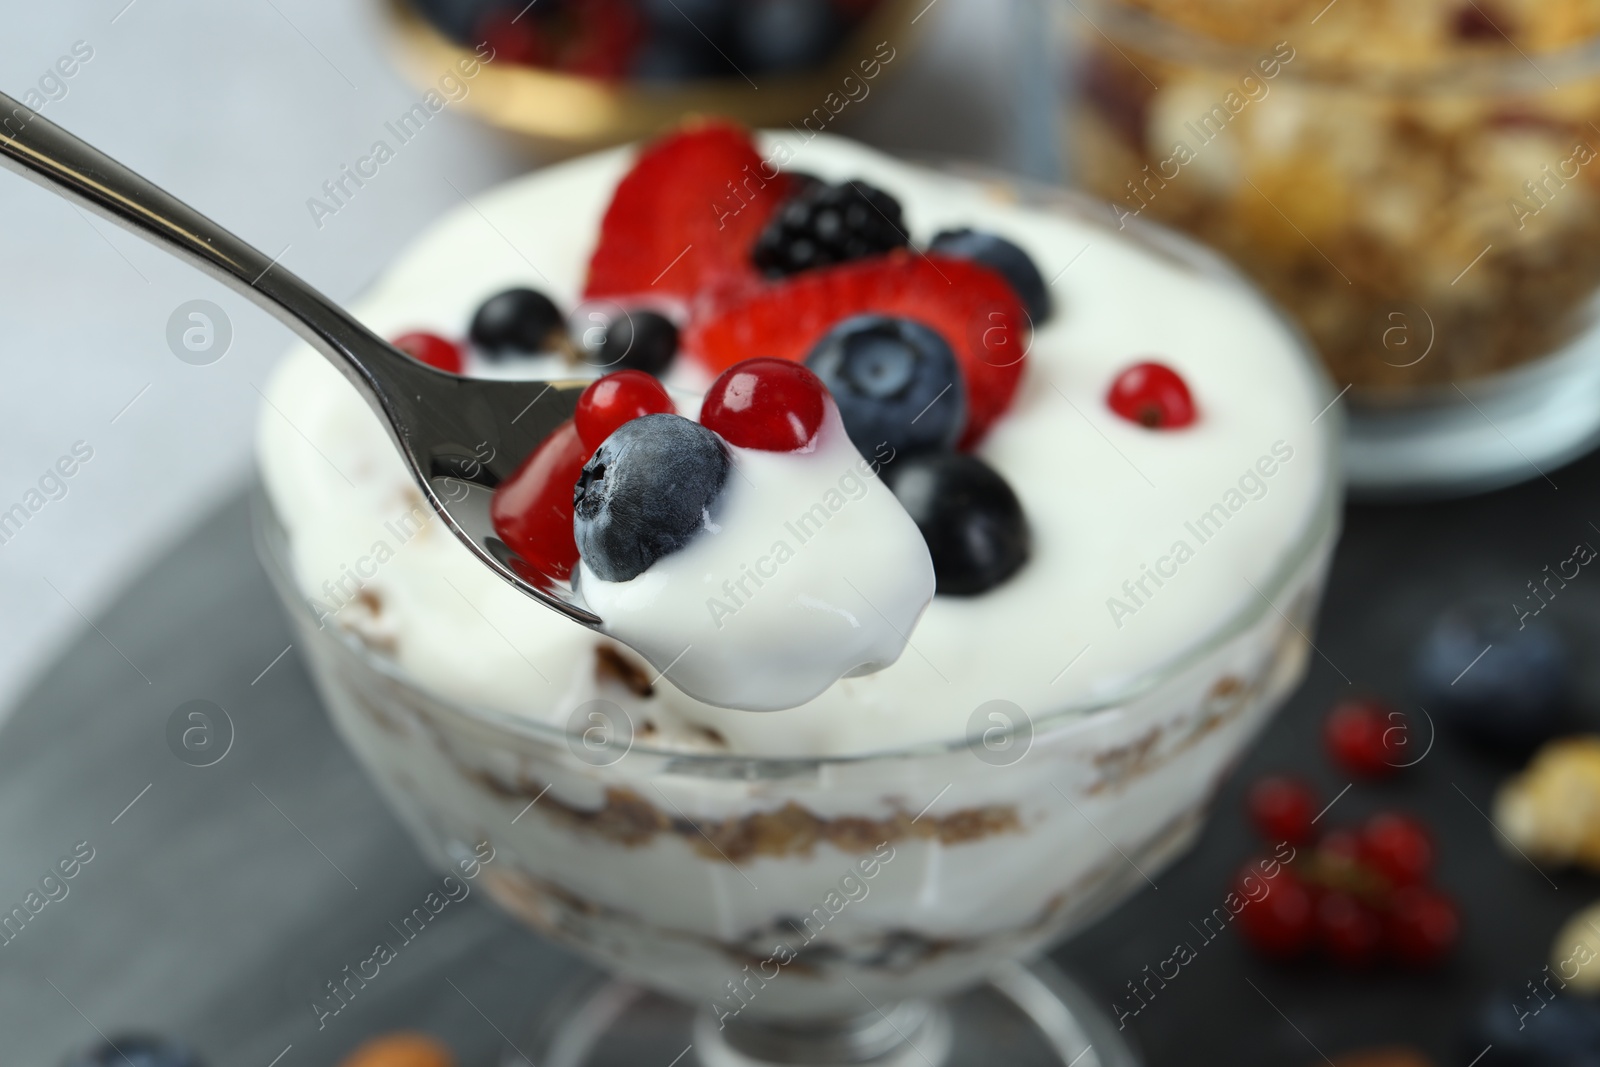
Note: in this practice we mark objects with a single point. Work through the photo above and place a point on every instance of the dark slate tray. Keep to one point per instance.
(217, 905)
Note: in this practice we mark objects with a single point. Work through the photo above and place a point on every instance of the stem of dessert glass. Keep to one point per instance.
(907, 1029)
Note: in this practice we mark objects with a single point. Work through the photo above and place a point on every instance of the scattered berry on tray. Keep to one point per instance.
(135, 1050)
(645, 492)
(770, 404)
(1397, 847)
(971, 519)
(517, 322)
(1495, 677)
(1367, 738)
(822, 224)
(896, 383)
(1281, 924)
(437, 352)
(617, 398)
(1348, 931)
(999, 254)
(1153, 395)
(1282, 809)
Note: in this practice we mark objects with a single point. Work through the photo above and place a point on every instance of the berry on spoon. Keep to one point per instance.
(615, 399)
(771, 404)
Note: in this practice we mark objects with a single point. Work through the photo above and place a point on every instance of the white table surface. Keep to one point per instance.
(244, 108)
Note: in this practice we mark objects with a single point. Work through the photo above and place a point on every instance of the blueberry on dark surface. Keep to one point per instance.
(1511, 694)
(821, 224)
(785, 36)
(896, 382)
(969, 517)
(517, 321)
(1006, 258)
(637, 340)
(645, 492)
(1526, 1031)
(139, 1050)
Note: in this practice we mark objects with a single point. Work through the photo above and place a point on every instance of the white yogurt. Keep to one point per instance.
(1107, 596)
(811, 571)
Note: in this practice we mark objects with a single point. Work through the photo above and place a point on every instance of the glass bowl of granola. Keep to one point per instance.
(1415, 183)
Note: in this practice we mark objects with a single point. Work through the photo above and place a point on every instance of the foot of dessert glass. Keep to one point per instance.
(1024, 1015)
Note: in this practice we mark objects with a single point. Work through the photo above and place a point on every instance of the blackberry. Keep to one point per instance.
(822, 224)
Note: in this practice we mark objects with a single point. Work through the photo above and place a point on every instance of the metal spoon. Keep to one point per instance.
(460, 436)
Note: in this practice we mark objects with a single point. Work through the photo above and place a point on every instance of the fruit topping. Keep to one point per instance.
(822, 224)
(997, 253)
(1498, 677)
(684, 219)
(646, 491)
(770, 404)
(969, 305)
(402, 1049)
(896, 383)
(1367, 738)
(1280, 923)
(970, 519)
(615, 399)
(517, 322)
(437, 352)
(1282, 810)
(1153, 395)
(137, 1050)
(532, 509)
(1397, 847)
(637, 340)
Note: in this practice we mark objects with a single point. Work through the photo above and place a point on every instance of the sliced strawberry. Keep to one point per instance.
(684, 218)
(971, 305)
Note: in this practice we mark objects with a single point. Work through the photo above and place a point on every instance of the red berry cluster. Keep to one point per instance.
(1368, 738)
(1356, 897)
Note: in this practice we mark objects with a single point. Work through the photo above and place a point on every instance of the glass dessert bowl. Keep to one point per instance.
(611, 70)
(812, 884)
(1412, 182)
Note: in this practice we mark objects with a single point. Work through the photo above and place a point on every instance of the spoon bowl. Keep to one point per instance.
(460, 437)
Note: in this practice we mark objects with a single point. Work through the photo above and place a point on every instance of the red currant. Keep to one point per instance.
(532, 509)
(1423, 925)
(615, 399)
(1282, 809)
(1279, 924)
(1397, 847)
(1339, 855)
(430, 348)
(1366, 737)
(1153, 395)
(775, 405)
(1349, 932)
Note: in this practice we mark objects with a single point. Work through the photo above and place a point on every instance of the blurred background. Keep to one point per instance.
(1377, 200)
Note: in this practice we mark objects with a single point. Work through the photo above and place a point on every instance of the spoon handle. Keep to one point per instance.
(44, 153)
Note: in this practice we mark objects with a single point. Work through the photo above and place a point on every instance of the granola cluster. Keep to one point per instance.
(1415, 182)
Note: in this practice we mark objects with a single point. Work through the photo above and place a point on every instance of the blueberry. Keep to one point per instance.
(457, 19)
(638, 340)
(1526, 1031)
(139, 1050)
(969, 517)
(786, 36)
(517, 321)
(1511, 694)
(1001, 255)
(645, 492)
(896, 382)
